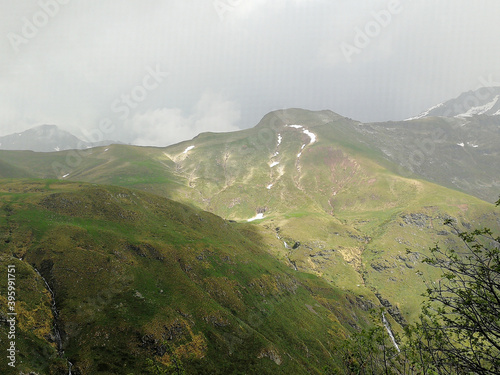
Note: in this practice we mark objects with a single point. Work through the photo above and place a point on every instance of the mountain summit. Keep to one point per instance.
(483, 101)
(46, 138)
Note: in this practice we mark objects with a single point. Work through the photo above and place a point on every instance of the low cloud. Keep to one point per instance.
(166, 126)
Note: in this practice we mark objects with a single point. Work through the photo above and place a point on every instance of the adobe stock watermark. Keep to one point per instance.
(31, 26)
(372, 29)
(122, 107)
(222, 7)
(11, 315)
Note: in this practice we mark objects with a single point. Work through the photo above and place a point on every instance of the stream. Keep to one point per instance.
(57, 332)
(389, 331)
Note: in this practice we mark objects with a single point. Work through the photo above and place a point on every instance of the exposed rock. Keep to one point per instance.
(381, 265)
(272, 354)
(392, 310)
(419, 220)
(364, 304)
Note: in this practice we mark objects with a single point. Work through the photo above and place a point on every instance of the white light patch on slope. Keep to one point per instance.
(423, 114)
(275, 154)
(472, 144)
(57, 149)
(106, 150)
(461, 144)
(257, 217)
(66, 175)
(188, 149)
(280, 138)
(496, 113)
(268, 187)
(295, 126)
(298, 155)
(273, 164)
(480, 109)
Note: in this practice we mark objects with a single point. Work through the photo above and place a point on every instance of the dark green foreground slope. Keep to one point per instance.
(131, 282)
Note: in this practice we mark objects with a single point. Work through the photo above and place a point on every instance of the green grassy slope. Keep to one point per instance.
(340, 210)
(140, 281)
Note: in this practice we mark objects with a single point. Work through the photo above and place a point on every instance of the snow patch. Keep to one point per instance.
(311, 135)
(57, 149)
(295, 126)
(423, 114)
(479, 110)
(106, 150)
(273, 164)
(268, 187)
(188, 149)
(256, 217)
(298, 155)
(461, 144)
(280, 138)
(66, 175)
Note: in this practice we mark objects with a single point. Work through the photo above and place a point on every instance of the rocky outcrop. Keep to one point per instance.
(416, 219)
(392, 310)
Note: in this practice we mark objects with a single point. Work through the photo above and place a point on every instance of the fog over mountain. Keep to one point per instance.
(159, 72)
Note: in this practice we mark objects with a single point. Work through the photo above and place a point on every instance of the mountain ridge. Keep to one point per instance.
(46, 138)
(482, 101)
(325, 200)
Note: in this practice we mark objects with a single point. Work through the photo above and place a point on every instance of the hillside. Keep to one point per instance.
(116, 281)
(324, 195)
(458, 152)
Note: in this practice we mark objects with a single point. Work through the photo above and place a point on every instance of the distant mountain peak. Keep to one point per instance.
(483, 101)
(45, 138)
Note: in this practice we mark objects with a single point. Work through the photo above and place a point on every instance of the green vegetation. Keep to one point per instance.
(142, 282)
(133, 260)
(459, 329)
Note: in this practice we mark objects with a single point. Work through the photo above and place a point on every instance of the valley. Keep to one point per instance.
(258, 249)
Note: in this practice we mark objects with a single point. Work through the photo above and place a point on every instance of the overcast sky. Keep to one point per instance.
(160, 71)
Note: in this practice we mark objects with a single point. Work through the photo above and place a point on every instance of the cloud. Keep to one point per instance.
(165, 126)
(265, 54)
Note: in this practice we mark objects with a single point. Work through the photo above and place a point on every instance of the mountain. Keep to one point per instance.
(115, 281)
(46, 138)
(312, 194)
(316, 180)
(453, 143)
(483, 101)
(457, 152)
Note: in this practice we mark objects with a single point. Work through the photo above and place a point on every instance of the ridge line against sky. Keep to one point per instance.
(162, 72)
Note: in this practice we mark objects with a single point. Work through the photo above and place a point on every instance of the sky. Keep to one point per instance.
(158, 72)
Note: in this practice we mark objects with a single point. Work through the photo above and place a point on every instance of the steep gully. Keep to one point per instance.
(57, 331)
